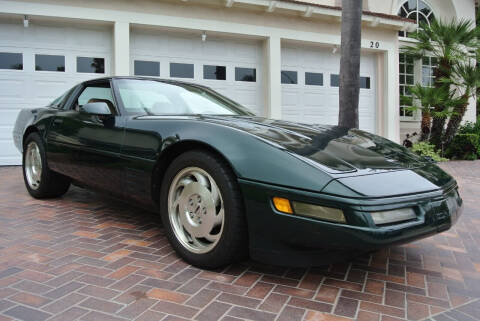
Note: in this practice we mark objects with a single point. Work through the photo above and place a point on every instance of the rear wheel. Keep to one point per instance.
(202, 210)
(40, 181)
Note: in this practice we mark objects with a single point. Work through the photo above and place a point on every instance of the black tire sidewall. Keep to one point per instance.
(234, 215)
(37, 139)
(51, 183)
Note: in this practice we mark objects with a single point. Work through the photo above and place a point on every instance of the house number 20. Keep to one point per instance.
(374, 44)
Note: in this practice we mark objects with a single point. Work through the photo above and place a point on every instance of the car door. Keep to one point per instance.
(84, 146)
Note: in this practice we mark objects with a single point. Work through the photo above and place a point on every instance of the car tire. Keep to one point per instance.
(224, 242)
(39, 180)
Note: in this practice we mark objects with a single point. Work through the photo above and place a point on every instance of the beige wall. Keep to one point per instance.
(443, 8)
(250, 19)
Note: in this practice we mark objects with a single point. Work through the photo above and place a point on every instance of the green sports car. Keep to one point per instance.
(228, 184)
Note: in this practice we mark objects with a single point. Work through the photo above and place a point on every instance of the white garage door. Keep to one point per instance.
(310, 86)
(39, 63)
(232, 67)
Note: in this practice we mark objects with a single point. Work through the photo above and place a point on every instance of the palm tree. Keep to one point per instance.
(466, 82)
(448, 41)
(429, 97)
(350, 63)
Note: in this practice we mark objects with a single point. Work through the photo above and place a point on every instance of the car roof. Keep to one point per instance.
(169, 81)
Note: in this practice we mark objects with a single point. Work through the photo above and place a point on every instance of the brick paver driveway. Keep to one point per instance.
(86, 257)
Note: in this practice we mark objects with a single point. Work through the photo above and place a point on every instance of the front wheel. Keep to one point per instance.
(202, 210)
(40, 181)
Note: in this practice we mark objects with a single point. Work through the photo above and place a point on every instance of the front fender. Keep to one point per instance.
(251, 158)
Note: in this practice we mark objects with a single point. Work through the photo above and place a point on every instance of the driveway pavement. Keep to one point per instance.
(86, 257)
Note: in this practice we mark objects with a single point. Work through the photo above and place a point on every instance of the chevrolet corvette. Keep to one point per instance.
(228, 184)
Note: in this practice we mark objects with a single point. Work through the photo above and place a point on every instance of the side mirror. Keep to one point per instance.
(99, 108)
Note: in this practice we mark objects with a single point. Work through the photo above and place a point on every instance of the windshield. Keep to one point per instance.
(151, 97)
(60, 101)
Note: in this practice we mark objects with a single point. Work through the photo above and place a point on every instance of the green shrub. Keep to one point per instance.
(464, 146)
(427, 150)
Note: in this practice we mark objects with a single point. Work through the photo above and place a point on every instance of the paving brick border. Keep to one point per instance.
(87, 257)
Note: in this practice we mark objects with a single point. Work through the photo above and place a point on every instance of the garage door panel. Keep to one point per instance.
(247, 97)
(144, 44)
(91, 38)
(316, 118)
(319, 103)
(292, 115)
(183, 47)
(12, 89)
(28, 88)
(215, 51)
(6, 119)
(11, 33)
(290, 98)
(50, 35)
(46, 89)
(245, 51)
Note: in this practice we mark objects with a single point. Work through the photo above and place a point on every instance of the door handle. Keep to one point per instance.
(57, 121)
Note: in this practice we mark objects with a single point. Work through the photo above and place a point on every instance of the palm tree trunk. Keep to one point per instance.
(350, 63)
(438, 123)
(425, 126)
(455, 120)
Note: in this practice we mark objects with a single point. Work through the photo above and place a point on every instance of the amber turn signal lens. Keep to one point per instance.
(282, 205)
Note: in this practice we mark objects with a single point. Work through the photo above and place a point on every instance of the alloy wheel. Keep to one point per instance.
(196, 210)
(33, 165)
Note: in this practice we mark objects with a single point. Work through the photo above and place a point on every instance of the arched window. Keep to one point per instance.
(416, 10)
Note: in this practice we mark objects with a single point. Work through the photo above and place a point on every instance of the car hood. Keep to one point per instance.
(336, 150)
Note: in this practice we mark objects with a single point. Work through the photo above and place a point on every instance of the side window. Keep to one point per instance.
(60, 101)
(93, 93)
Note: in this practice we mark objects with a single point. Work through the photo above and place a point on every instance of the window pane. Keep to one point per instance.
(409, 69)
(426, 71)
(49, 63)
(10, 60)
(334, 80)
(365, 82)
(314, 78)
(91, 65)
(289, 77)
(214, 72)
(181, 70)
(417, 10)
(95, 93)
(146, 68)
(245, 74)
(411, 5)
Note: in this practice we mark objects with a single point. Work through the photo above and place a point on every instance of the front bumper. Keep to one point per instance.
(290, 240)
